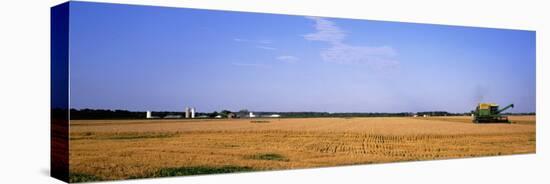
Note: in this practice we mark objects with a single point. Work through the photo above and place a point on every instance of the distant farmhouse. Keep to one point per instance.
(172, 116)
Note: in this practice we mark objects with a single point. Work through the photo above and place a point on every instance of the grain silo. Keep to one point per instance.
(187, 112)
(148, 115)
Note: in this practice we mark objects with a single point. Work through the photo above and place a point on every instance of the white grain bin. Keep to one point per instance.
(187, 112)
(148, 115)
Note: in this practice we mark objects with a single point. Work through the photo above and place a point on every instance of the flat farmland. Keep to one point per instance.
(122, 149)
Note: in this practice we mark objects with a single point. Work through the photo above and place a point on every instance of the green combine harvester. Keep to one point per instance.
(489, 113)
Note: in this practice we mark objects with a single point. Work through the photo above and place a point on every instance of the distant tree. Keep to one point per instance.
(224, 113)
(214, 114)
(242, 113)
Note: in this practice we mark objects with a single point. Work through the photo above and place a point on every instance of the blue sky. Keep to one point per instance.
(155, 58)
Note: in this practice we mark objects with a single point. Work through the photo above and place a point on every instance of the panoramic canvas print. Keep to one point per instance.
(145, 91)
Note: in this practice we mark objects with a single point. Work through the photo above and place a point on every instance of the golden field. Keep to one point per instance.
(121, 149)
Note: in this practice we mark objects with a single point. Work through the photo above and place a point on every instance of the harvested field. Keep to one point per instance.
(467, 119)
(121, 149)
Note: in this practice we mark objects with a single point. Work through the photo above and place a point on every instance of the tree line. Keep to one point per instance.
(80, 114)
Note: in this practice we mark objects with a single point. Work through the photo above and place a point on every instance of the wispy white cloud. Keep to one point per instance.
(260, 44)
(239, 40)
(348, 54)
(327, 31)
(250, 65)
(341, 52)
(288, 59)
(266, 48)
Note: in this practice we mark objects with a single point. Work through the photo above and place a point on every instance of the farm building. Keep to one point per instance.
(172, 116)
(274, 116)
(149, 115)
(270, 116)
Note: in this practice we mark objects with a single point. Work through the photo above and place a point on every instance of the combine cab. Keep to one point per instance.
(490, 113)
